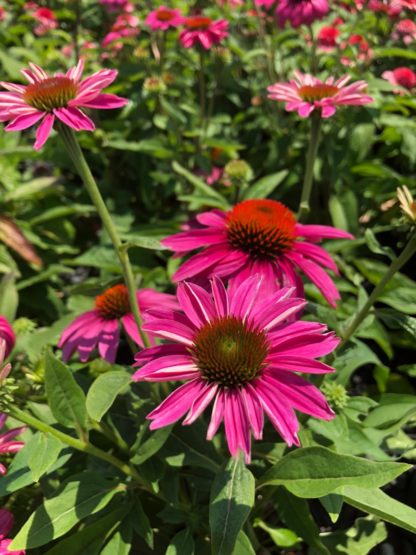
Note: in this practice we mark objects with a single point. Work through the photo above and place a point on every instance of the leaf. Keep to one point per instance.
(121, 541)
(182, 544)
(149, 243)
(375, 247)
(141, 523)
(151, 445)
(149, 146)
(353, 357)
(66, 398)
(394, 52)
(266, 185)
(232, 497)
(90, 539)
(378, 503)
(395, 319)
(104, 390)
(282, 537)
(13, 237)
(30, 189)
(393, 408)
(9, 298)
(243, 545)
(200, 185)
(332, 503)
(45, 452)
(74, 501)
(316, 471)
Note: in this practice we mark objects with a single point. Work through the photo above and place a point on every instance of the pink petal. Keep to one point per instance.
(44, 131)
(196, 303)
(163, 368)
(190, 240)
(23, 122)
(74, 118)
(220, 296)
(175, 330)
(319, 232)
(254, 412)
(201, 262)
(216, 415)
(6, 523)
(108, 340)
(307, 345)
(102, 101)
(236, 424)
(201, 402)
(300, 364)
(318, 277)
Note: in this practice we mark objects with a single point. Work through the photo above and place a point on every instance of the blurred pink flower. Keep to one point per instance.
(46, 19)
(6, 525)
(3, 14)
(115, 5)
(305, 93)
(402, 76)
(100, 327)
(265, 3)
(204, 31)
(7, 334)
(390, 7)
(299, 12)
(164, 18)
(242, 352)
(327, 37)
(125, 26)
(405, 30)
(407, 4)
(257, 237)
(8, 444)
(59, 96)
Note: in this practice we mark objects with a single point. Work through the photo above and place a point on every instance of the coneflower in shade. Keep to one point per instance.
(60, 96)
(100, 327)
(242, 352)
(164, 18)
(257, 237)
(300, 12)
(6, 525)
(305, 93)
(7, 335)
(204, 31)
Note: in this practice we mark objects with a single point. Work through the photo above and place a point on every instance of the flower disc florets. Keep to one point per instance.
(229, 351)
(264, 229)
(113, 303)
(51, 93)
(310, 93)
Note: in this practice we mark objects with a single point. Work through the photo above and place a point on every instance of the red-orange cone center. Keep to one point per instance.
(51, 93)
(113, 303)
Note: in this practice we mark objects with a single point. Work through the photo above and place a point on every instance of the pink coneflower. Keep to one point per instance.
(46, 19)
(8, 443)
(7, 335)
(125, 26)
(164, 18)
(59, 96)
(327, 37)
(402, 76)
(242, 352)
(100, 327)
(257, 237)
(204, 31)
(299, 12)
(6, 525)
(306, 93)
(405, 30)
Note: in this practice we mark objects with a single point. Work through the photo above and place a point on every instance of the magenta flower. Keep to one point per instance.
(46, 19)
(8, 443)
(403, 77)
(115, 5)
(258, 237)
(304, 93)
(6, 334)
(59, 96)
(6, 524)
(299, 12)
(164, 18)
(125, 26)
(100, 327)
(242, 352)
(203, 30)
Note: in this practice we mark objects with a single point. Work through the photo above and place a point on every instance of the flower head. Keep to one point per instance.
(407, 203)
(125, 26)
(8, 443)
(46, 19)
(203, 30)
(257, 237)
(327, 37)
(164, 18)
(242, 352)
(6, 524)
(298, 12)
(403, 77)
(115, 5)
(405, 30)
(7, 335)
(60, 96)
(100, 327)
(306, 93)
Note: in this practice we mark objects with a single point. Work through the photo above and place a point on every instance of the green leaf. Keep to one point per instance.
(282, 537)
(243, 545)
(104, 390)
(375, 247)
(378, 503)
(90, 539)
(45, 452)
(355, 356)
(200, 185)
(141, 523)
(151, 445)
(316, 471)
(394, 52)
(30, 189)
(182, 544)
(394, 408)
(266, 185)
(149, 243)
(74, 501)
(9, 298)
(66, 398)
(120, 543)
(332, 503)
(232, 497)
(148, 146)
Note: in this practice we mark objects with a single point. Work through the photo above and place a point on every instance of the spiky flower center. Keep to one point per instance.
(198, 23)
(113, 303)
(264, 229)
(165, 15)
(310, 93)
(51, 93)
(229, 352)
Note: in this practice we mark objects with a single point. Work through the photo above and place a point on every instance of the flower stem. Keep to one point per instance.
(78, 159)
(396, 265)
(202, 89)
(75, 443)
(304, 206)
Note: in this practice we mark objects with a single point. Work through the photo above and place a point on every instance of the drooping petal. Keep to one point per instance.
(103, 101)
(201, 403)
(23, 122)
(44, 131)
(108, 340)
(74, 118)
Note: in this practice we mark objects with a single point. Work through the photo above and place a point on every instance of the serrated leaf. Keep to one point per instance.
(65, 396)
(104, 390)
(316, 471)
(232, 497)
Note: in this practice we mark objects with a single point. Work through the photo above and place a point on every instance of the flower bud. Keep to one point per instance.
(7, 333)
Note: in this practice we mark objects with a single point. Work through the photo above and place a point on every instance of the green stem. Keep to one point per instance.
(304, 206)
(202, 89)
(75, 443)
(77, 157)
(396, 265)
(314, 58)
